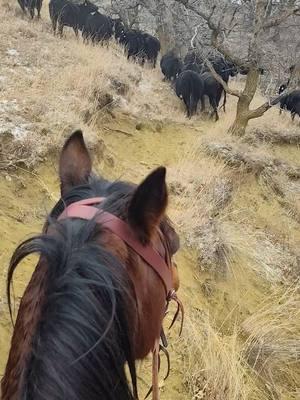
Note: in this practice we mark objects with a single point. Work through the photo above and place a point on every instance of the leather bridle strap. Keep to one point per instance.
(85, 210)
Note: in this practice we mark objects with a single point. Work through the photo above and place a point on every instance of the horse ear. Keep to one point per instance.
(148, 204)
(75, 163)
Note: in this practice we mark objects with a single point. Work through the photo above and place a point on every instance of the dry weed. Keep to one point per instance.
(202, 191)
(51, 85)
(261, 252)
(214, 368)
(272, 348)
(272, 136)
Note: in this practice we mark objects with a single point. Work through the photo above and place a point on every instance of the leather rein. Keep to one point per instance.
(87, 210)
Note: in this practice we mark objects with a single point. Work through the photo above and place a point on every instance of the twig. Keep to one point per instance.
(118, 130)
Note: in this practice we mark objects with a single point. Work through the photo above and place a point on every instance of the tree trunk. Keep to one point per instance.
(164, 28)
(243, 113)
(238, 128)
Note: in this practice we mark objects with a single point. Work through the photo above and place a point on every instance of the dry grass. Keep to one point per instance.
(89, 83)
(261, 252)
(50, 87)
(274, 136)
(272, 348)
(204, 187)
(214, 368)
(201, 187)
(258, 360)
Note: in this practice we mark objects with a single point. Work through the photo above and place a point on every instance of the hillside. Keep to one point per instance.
(235, 202)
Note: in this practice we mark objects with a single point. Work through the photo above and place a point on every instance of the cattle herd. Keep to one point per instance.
(191, 78)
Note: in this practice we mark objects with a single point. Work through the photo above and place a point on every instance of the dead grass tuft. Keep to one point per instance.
(273, 347)
(214, 368)
(273, 136)
(202, 192)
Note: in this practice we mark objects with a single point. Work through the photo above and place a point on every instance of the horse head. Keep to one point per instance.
(98, 295)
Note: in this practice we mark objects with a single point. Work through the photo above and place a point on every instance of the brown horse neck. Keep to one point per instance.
(28, 316)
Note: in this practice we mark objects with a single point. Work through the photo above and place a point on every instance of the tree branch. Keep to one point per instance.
(281, 18)
(194, 36)
(218, 78)
(216, 30)
(258, 112)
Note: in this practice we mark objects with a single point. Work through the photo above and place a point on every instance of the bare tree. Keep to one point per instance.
(256, 19)
(127, 10)
(155, 16)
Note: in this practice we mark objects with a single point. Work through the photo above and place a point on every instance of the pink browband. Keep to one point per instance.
(85, 209)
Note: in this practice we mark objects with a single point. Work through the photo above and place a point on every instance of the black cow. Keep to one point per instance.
(97, 27)
(171, 66)
(151, 48)
(286, 84)
(30, 5)
(66, 13)
(119, 28)
(23, 4)
(139, 45)
(192, 57)
(213, 90)
(223, 67)
(244, 70)
(283, 86)
(291, 102)
(133, 42)
(193, 62)
(189, 88)
(192, 67)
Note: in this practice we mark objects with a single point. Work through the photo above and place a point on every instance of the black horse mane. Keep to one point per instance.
(83, 338)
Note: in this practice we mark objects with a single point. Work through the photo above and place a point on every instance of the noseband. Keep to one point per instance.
(161, 264)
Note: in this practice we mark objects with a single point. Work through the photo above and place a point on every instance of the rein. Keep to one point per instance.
(85, 209)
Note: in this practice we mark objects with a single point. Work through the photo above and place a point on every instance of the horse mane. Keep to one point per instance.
(83, 338)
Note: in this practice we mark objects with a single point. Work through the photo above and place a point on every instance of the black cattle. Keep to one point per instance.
(23, 4)
(151, 48)
(97, 27)
(189, 88)
(243, 70)
(213, 90)
(291, 102)
(223, 68)
(31, 5)
(139, 45)
(66, 13)
(171, 66)
(130, 39)
(283, 86)
(133, 42)
(286, 84)
(192, 67)
(193, 62)
(192, 57)
(119, 28)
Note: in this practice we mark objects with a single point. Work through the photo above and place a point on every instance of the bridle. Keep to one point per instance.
(160, 263)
